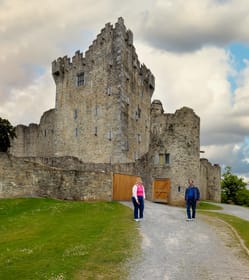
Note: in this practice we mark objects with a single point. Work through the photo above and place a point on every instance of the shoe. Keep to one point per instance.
(188, 220)
(136, 220)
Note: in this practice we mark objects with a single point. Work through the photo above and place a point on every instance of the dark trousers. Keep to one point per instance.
(191, 204)
(138, 207)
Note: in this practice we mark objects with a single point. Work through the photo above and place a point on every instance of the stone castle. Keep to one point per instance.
(104, 121)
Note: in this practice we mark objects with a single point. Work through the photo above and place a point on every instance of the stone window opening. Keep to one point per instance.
(96, 131)
(110, 135)
(127, 145)
(80, 79)
(138, 112)
(76, 132)
(109, 91)
(136, 156)
(138, 138)
(164, 159)
(75, 114)
(96, 110)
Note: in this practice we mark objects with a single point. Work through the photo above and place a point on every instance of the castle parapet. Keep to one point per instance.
(60, 66)
(147, 76)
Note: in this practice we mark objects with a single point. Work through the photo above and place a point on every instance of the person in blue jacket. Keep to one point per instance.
(192, 195)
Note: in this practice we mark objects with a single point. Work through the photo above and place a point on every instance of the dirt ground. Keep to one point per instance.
(174, 249)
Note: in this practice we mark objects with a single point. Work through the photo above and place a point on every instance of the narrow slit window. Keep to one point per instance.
(139, 138)
(110, 135)
(109, 91)
(75, 114)
(167, 158)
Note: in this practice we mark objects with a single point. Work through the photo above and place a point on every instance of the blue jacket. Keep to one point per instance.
(192, 193)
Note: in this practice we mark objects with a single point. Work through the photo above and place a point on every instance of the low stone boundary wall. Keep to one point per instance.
(20, 177)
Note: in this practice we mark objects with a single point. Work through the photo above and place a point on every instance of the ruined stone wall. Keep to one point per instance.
(21, 177)
(175, 136)
(35, 140)
(70, 178)
(210, 183)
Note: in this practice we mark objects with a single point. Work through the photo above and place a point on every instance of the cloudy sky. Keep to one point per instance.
(197, 50)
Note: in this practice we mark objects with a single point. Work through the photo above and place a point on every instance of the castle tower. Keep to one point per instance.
(103, 100)
(175, 148)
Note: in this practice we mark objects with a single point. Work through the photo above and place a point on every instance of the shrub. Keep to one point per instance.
(242, 197)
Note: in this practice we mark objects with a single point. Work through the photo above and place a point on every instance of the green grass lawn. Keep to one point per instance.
(203, 205)
(58, 240)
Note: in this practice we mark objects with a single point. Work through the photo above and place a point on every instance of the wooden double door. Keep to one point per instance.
(161, 190)
(122, 186)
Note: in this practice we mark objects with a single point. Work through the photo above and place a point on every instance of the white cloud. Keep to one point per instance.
(27, 104)
(181, 26)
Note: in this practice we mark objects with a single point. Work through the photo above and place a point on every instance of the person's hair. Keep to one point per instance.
(139, 180)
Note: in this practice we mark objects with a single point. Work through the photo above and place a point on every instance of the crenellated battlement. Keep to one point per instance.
(60, 66)
(114, 39)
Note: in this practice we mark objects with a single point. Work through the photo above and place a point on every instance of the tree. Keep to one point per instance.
(230, 185)
(7, 132)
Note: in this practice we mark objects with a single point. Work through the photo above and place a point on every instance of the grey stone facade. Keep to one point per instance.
(104, 115)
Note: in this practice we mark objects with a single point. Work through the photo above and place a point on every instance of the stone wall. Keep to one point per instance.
(175, 137)
(20, 177)
(35, 140)
(70, 178)
(210, 185)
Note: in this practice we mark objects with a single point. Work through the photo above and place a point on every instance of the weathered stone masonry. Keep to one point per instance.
(104, 116)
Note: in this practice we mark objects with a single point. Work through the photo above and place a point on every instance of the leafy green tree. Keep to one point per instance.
(230, 185)
(242, 197)
(7, 132)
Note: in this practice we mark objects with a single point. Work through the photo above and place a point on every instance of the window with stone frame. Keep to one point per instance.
(80, 79)
(164, 158)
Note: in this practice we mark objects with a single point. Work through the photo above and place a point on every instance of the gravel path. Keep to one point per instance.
(174, 249)
(241, 212)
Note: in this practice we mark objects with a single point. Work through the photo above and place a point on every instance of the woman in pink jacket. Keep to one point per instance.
(138, 197)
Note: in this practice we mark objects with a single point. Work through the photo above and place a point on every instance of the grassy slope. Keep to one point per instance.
(49, 239)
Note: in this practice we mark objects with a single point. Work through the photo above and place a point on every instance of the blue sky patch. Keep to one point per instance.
(239, 53)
